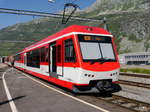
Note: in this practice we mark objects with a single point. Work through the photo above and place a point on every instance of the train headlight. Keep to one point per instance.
(85, 74)
(89, 75)
(112, 74)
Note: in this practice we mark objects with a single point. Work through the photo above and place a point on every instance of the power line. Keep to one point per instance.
(43, 14)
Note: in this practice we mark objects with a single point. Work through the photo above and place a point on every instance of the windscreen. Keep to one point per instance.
(96, 47)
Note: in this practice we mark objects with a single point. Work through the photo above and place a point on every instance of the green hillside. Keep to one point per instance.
(129, 24)
(30, 32)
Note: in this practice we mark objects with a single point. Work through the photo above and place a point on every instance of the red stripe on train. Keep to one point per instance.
(66, 84)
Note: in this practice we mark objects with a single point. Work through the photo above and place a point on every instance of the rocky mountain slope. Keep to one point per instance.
(128, 21)
(105, 6)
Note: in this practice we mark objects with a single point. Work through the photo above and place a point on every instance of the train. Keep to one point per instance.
(2, 59)
(82, 59)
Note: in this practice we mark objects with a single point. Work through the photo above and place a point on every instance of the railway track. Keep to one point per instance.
(128, 103)
(131, 105)
(135, 75)
(146, 86)
(139, 80)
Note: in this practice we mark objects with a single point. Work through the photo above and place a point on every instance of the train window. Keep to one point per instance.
(87, 48)
(96, 48)
(18, 57)
(33, 59)
(46, 54)
(69, 51)
(59, 54)
(107, 50)
(42, 54)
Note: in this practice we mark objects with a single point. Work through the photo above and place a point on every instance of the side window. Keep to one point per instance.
(42, 51)
(69, 51)
(18, 57)
(33, 58)
(28, 59)
(46, 54)
(59, 53)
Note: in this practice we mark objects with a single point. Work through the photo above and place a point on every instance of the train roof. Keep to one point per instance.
(74, 29)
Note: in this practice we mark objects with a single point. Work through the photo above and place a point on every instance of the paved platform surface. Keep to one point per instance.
(4, 103)
(3, 65)
(30, 96)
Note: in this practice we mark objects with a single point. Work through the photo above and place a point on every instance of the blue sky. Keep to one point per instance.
(34, 5)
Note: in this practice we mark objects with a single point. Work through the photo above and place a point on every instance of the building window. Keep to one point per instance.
(69, 51)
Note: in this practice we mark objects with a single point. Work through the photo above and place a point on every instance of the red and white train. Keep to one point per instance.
(80, 58)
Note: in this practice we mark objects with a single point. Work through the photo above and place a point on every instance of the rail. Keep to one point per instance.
(135, 75)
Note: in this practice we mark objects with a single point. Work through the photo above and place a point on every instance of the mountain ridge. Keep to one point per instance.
(119, 5)
(129, 24)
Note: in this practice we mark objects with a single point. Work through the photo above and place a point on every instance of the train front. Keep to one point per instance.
(99, 64)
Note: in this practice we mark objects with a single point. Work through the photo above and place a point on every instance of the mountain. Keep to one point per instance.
(128, 21)
(105, 6)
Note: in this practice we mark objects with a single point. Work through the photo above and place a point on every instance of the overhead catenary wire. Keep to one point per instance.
(53, 15)
(44, 14)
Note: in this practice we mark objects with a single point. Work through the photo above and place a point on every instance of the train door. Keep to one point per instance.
(60, 62)
(53, 66)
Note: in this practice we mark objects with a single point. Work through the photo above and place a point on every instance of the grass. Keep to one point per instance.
(9, 48)
(136, 70)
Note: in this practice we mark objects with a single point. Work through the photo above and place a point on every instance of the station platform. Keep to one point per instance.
(30, 96)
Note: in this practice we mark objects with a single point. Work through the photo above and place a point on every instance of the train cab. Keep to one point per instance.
(99, 62)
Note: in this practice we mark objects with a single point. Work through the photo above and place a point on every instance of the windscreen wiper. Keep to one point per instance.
(97, 60)
(106, 60)
(101, 60)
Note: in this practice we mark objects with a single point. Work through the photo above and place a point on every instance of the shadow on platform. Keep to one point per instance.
(7, 101)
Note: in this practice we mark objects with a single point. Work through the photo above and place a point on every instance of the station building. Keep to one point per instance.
(137, 58)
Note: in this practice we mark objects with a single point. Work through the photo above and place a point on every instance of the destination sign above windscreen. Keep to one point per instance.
(93, 38)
